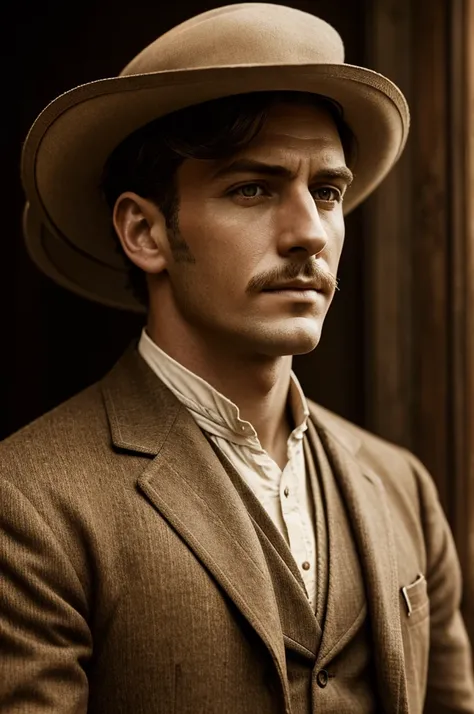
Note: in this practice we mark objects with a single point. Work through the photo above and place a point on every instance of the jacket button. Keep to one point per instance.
(322, 678)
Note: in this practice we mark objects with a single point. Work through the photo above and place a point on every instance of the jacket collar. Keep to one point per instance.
(132, 382)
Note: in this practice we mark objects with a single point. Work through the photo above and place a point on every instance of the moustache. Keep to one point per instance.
(326, 281)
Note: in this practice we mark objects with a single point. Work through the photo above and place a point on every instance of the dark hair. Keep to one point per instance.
(146, 162)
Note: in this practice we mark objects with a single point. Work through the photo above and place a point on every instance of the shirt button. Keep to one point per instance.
(306, 566)
(286, 491)
(322, 678)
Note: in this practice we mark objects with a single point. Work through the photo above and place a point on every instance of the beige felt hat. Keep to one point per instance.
(229, 50)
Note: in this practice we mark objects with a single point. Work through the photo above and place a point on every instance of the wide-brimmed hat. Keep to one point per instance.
(230, 50)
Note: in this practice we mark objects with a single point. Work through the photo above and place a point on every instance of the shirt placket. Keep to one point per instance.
(294, 516)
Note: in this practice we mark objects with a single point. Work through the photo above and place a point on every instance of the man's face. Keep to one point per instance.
(243, 228)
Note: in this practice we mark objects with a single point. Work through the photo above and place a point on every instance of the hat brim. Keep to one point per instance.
(75, 270)
(67, 225)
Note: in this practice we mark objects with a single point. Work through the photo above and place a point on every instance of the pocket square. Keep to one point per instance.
(408, 591)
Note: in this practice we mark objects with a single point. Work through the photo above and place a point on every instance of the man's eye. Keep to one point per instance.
(249, 190)
(327, 193)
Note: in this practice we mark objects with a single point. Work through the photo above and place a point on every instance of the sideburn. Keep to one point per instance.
(179, 248)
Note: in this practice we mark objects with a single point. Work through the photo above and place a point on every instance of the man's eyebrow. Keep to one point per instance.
(258, 167)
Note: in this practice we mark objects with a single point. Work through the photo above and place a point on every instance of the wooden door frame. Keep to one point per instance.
(419, 242)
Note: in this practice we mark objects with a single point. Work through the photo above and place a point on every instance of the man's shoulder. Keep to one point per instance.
(410, 489)
(396, 465)
(72, 422)
(360, 437)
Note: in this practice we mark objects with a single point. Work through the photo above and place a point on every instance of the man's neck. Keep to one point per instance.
(257, 385)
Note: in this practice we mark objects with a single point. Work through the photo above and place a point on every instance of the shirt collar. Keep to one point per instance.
(212, 410)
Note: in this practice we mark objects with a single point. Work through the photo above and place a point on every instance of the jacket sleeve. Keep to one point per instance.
(450, 688)
(45, 641)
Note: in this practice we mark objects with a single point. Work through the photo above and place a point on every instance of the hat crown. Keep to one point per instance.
(243, 34)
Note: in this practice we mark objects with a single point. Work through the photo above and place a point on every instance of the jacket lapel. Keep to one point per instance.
(344, 596)
(368, 513)
(189, 487)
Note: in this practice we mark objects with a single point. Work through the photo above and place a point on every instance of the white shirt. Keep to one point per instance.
(285, 495)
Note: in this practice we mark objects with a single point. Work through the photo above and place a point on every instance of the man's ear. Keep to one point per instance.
(141, 229)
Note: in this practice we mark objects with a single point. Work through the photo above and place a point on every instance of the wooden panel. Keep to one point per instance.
(429, 235)
(462, 293)
(388, 240)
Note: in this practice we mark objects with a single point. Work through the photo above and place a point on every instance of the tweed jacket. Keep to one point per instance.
(133, 581)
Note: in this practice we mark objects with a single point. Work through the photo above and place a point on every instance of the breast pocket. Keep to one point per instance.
(415, 618)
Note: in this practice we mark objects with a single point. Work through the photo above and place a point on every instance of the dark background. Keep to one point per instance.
(53, 343)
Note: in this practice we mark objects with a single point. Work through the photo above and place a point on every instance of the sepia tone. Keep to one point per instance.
(397, 351)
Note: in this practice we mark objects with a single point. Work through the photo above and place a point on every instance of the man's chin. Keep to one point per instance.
(298, 344)
(300, 349)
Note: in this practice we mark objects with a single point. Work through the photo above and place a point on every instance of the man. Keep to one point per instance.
(192, 535)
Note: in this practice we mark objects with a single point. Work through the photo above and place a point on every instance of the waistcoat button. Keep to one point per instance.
(322, 678)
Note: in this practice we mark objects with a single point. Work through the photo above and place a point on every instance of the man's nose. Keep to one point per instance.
(301, 227)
